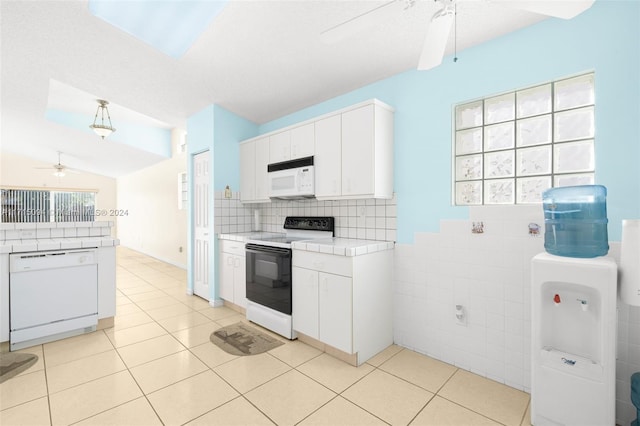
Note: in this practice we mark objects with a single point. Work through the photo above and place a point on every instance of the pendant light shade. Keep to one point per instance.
(102, 128)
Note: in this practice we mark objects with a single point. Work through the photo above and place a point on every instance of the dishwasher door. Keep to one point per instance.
(51, 293)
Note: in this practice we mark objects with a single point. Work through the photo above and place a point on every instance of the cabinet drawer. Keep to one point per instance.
(232, 247)
(339, 265)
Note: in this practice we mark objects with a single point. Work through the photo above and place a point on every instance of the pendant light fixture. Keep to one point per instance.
(101, 128)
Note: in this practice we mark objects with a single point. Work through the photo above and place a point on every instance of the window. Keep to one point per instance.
(509, 148)
(28, 205)
(182, 191)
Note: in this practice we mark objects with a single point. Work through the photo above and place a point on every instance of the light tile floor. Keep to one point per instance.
(157, 366)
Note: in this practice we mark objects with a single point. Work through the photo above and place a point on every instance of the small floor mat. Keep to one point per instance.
(14, 363)
(242, 339)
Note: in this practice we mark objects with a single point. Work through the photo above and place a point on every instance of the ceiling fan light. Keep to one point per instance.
(100, 127)
(59, 173)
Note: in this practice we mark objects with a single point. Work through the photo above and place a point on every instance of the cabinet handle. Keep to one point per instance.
(229, 261)
(236, 263)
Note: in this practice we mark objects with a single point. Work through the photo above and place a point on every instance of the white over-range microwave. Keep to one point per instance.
(294, 179)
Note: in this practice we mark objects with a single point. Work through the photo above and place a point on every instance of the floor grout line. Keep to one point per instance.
(144, 269)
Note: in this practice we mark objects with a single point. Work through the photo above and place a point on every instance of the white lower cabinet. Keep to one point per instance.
(344, 302)
(233, 273)
(322, 307)
(335, 311)
(304, 301)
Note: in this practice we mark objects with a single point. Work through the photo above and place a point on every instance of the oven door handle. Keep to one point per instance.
(256, 248)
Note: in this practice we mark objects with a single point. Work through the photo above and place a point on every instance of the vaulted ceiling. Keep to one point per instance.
(260, 59)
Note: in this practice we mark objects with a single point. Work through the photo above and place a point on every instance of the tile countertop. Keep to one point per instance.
(22, 246)
(244, 236)
(343, 246)
(44, 236)
(335, 245)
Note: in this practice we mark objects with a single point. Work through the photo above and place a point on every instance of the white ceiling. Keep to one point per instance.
(261, 59)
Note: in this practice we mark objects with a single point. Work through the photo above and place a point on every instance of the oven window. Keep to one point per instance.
(269, 277)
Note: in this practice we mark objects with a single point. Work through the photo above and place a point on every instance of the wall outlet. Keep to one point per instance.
(461, 315)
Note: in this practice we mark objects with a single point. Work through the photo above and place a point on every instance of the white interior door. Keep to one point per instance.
(201, 225)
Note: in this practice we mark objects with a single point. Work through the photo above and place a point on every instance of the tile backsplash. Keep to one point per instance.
(368, 219)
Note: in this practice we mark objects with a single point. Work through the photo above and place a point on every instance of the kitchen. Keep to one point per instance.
(433, 237)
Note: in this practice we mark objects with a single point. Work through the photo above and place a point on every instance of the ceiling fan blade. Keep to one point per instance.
(565, 9)
(436, 39)
(358, 23)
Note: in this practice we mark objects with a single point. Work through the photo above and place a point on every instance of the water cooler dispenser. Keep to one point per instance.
(574, 313)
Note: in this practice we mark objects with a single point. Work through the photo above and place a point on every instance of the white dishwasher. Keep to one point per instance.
(52, 294)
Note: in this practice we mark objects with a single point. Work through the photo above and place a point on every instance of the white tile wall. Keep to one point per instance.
(368, 219)
(488, 274)
(230, 215)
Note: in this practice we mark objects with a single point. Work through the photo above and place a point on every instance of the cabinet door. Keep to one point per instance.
(247, 172)
(303, 141)
(335, 311)
(226, 276)
(240, 281)
(358, 151)
(262, 161)
(280, 147)
(305, 301)
(328, 156)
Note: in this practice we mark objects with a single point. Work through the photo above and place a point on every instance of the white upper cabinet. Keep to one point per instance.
(303, 141)
(358, 151)
(298, 142)
(327, 159)
(280, 147)
(254, 158)
(354, 153)
(367, 152)
(352, 149)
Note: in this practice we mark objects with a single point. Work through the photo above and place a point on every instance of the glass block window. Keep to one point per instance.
(510, 148)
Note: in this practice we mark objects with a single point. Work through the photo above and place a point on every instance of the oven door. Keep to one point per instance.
(269, 276)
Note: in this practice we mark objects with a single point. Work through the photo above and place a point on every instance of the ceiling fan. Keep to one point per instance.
(59, 169)
(442, 20)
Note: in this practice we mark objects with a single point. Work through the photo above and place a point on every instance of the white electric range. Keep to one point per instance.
(268, 263)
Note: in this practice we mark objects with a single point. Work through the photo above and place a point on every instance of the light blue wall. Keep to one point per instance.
(229, 130)
(605, 39)
(218, 131)
(148, 138)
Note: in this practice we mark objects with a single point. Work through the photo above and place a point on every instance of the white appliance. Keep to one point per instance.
(268, 263)
(630, 263)
(294, 179)
(51, 295)
(573, 346)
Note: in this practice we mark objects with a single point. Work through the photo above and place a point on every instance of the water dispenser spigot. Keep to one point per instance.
(556, 299)
(583, 304)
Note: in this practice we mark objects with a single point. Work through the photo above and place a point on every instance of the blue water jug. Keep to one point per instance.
(575, 219)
